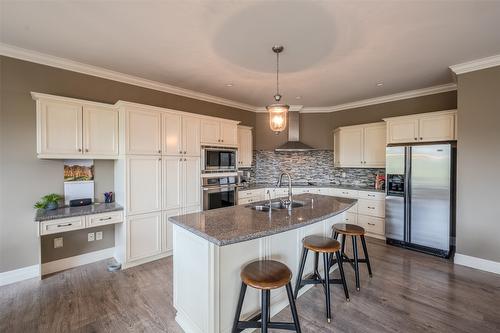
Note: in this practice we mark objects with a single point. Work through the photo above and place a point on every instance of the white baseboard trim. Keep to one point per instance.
(82, 259)
(477, 263)
(138, 262)
(20, 274)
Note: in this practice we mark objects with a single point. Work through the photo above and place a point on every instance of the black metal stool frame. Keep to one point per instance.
(354, 262)
(315, 277)
(264, 325)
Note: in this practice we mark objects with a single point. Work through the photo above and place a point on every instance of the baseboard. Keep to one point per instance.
(138, 262)
(20, 274)
(82, 259)
(477, 263)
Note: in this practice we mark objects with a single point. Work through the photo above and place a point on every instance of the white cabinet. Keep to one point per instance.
(424, 127)
(143, 184)
(191, 136)
(73, 128)
(360, 146)
(62, 225)
(245, 146)
(100, 131)
(191, 186)
(172, 183)
(142, 131)
(172, 134)
(216, 132)
(59, 127)
(96, 220)
(144, 235)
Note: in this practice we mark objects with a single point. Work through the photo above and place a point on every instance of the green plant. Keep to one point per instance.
(47, 199)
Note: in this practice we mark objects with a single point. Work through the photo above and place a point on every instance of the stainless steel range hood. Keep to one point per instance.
(293, 143)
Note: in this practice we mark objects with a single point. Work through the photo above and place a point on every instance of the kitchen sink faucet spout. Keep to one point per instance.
(288, 202)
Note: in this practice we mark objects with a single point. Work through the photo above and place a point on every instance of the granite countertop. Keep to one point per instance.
(256, 186)
(240, 223)
(63, 212)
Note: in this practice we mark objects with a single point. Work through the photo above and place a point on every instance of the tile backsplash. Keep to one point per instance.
(313, 166)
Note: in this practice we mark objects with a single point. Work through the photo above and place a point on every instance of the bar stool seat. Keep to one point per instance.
(349, 229)
(321, 244)
(265, 275)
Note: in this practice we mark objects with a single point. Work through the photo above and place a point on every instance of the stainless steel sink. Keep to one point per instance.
(276, 205)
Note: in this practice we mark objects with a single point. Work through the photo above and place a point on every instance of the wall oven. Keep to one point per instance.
(219, 190)
(218, 159)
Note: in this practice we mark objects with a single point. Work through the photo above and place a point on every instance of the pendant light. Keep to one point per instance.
(277, 111)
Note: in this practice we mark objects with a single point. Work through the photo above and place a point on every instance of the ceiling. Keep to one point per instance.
(335, 52)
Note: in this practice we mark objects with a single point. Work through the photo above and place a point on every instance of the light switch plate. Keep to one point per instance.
(98, 235)
(58, 242)
(91, 237)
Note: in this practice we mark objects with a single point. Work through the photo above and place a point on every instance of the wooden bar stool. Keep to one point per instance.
(328, 246)
(265, 275)
(354, 231)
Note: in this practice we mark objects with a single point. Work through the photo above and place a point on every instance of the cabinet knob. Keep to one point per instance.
(185, 152)
(159, 151)
(421, 138)
(415, 139)
(180, 159)
(180, 151)
(86, 150)
(185, 159)
(222, 140)
(79, 149)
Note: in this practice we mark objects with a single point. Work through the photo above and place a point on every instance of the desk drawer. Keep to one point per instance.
(371, 207)
(372, 224)
(103, 219)
(62, 225)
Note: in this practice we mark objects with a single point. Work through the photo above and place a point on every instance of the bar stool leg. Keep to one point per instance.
(268, 295)
(265, 310)
(316, 260)
(342, 276)
(301, 271)
(365, 250)
(238, 308)
(293, 308)
(327, 287)
(356, 264)
(343, 243)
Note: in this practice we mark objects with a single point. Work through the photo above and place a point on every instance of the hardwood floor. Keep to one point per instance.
(409, 292)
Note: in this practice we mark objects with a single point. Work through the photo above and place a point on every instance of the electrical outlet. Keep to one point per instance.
(98, 235)
(91, 237)
(58, 242)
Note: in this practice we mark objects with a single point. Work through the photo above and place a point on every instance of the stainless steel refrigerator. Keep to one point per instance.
(420, 197)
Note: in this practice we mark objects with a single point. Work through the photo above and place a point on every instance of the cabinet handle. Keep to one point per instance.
(421, 138)
(371, 207)
(159, 151)
(180, 159)
(415, 139)
(105, 219)
(180, 151)
(80, 149)
(86, 150)
(185, 160)
(64, 225)
(184, 152)
(373, 224)
(371, 195)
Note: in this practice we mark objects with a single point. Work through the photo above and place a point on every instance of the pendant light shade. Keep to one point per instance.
(277, 111)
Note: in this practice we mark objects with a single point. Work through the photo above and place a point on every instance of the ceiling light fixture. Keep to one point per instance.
(298, 97)
(380, 84)
(277, 111)
(229, 84)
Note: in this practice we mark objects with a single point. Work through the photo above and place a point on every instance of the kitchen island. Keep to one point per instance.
(211, 247)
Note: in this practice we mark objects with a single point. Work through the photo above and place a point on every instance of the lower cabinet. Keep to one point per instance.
(144, 235)
(372, 224)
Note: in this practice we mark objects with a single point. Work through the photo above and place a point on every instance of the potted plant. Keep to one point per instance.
(49, 202)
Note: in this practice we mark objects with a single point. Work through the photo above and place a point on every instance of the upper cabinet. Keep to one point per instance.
(219, 132)
(142, 130)
(424, 127)
(245, 146)
(360, 146)
(71, 128)
(191, 145)
(180, 135)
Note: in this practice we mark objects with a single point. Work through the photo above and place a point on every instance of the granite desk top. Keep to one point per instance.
(255, 186)
(240, 223)
(63, 212)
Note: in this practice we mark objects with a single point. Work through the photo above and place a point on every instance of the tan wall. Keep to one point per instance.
(478, 164)
(316, 128)
(24, 178)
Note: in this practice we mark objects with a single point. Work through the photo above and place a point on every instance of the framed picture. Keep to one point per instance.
(78, 170)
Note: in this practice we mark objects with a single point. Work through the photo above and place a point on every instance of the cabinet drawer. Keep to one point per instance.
(372, 224)
(351, 218)
(244, 201)
(104, 218)
(371, 207)
(371, 195)
(249, 193)
(345, 193)
(62, 225)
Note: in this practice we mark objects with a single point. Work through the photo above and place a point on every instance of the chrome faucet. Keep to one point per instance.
(287, 203)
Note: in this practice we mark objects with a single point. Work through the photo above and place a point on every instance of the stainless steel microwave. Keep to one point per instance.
(219, 159)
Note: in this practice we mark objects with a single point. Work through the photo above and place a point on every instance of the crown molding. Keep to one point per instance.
(475, 65)
(74, 66)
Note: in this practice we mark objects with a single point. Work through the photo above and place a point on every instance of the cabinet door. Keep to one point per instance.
(229, 133)
(166, 231)
(59, 128)
(437, 128)
(245, 147)
(143, 236)
(143, 132)
(143, 184)
(172, 134)
(172, 182)
(402, 131)
(100, 131)
(210, 131)
(374, 142)
(336, 148)
(191, 136)
(351, 147)
(191, 181)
